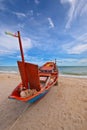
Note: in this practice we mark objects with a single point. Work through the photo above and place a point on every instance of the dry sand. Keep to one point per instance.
(63, 108)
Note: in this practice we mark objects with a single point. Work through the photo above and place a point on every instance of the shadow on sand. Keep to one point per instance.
(10, 111)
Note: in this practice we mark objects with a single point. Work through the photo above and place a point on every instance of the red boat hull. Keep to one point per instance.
(47, 76)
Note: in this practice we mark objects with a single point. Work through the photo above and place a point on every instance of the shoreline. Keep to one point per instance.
(60, 74)
(66, 71)
(73, 76)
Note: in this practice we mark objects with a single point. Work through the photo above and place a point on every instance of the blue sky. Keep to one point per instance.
(49, 29)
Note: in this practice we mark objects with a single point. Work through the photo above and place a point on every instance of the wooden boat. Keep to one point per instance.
(36, 81)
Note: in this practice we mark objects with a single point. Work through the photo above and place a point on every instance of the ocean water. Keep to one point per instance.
(73, 70)
(8, 69)
(63, 70)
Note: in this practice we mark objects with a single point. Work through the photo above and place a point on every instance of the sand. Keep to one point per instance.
(63, 108)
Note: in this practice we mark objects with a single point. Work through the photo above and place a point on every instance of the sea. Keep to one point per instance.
(71, 71)
(8, 69)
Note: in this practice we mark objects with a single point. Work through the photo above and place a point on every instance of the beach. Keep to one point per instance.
(63, 108)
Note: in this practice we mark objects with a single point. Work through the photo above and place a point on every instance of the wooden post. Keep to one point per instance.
(21, 49)
(25, 83)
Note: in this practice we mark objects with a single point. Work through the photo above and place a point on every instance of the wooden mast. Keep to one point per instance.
(25, 83)
(21, 49)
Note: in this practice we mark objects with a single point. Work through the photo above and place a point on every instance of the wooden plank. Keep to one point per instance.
(31, 74)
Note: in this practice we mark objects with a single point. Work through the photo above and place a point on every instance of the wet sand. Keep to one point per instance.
(63, 108)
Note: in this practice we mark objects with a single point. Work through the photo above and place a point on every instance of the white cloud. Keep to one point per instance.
(70, 13)
(19, 15)
(21, 25)
(83, 37)
(37, 2)
(4, 52)
(27, 43)
(72, 62)
(9, 44)
(77, 8)
(77, 46)
(32, 59)
(83, 61)
(84, 10)
(65, 1)
(30, 13)
(68, 62)
(77, 49)
(51, 23)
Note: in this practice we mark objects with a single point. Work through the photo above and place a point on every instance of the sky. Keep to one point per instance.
(50, 29)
